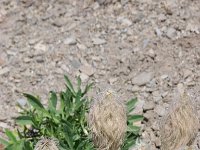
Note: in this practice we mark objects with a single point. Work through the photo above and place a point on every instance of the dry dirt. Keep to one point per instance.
(143, 48)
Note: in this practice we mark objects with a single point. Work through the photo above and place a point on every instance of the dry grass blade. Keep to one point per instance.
(107, 121)
(47, 144)
(180, 126)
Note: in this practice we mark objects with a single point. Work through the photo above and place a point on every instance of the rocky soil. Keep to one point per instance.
(144, 48)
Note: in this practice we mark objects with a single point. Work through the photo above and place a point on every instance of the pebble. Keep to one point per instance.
(142, 78)
(171, 33)
(148, 106)
(160, 110)
(112, 80)
(98, 41)
(70, 41)
(158, 32)
(84, 77)
(4, 70)
(1, 61)
(40, 48)
(87, 69)
(22, 102)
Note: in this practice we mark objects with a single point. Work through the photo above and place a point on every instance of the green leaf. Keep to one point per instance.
(52, 101)
(4, 142)
(133, 129)
(69, 85)
(78, 83)
(129, 143)
(135, 118)
(33, 101)
(131, 104)
(87, 88)
(24, 120)
(10, 135)
(68, 137)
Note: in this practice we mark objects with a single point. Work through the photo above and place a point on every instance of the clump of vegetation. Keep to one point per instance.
(180, 125)
(108, 121)
(63, 123)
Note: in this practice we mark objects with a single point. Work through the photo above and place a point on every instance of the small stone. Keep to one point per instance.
(75, 63)
(4, 125)
(171, 33)
(155, 126)
(149, 115)
(64, 68)
(112, 80)
(142, 78)
(4, 70)
(135, 88)
(98, 41)
(87, 69)
(27, 60)
(1, 61)
(81, 46)
(158, 32)
(160, 110)
(58, 22)
(148, 106)
(70, 41)
(40, 48)
(84, 77)
(162, 17)
(2, 18)
(124, 21)
(22, 102)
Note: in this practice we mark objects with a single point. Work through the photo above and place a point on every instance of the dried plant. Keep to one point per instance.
(107, 121)
(180, 126)
(47, 144)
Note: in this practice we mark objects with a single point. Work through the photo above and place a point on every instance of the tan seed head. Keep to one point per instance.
(107, 121)
(180, 126)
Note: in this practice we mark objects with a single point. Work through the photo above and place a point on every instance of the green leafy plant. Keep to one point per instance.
(133, 130)
(64, 119)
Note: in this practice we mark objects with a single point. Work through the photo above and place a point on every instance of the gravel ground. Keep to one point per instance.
(143, 48)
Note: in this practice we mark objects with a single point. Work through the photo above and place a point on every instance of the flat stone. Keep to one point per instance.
(148, 106)
(171, 33)
(70, 41)
(84, 77)
(160, 110)
(142, 78)
(98, 41)
(4, 70)
(87, 69)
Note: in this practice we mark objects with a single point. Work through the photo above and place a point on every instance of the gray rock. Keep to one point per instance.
(160, 110)
(148, 106)
(70, 41)
(4, 70)
(171, 33)
(158, 32)
(22, 102)
(87, 69)
(84, 77)
(142, 78)
(98, 41)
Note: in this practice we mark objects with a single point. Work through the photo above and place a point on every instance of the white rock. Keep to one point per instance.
(87, 69)
(84, 77)
(4, 70)
(142, 78)
(98, 41)
(70, 40)
(171, 33)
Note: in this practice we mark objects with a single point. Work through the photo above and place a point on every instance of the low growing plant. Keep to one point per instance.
(64, 120)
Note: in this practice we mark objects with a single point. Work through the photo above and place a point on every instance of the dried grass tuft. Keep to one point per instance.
(47, 144)
(107, 121)
(180, 127)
